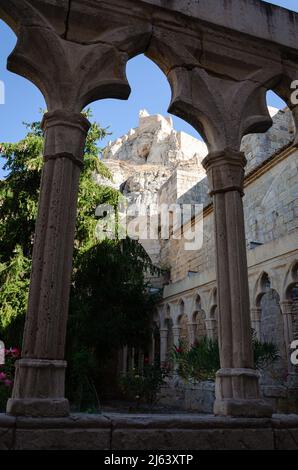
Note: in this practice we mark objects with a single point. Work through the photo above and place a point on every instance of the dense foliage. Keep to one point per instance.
(201, 361)
(143, 386)
(110, 302)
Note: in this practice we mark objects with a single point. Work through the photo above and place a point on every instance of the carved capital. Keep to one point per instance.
(225, 171)
(163, 332)
(65, 135)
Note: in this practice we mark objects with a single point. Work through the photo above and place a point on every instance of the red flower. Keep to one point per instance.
(146, 360)
(179, 350)
(13, 352)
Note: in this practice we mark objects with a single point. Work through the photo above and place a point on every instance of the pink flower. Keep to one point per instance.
(2, 376)
(15, 352)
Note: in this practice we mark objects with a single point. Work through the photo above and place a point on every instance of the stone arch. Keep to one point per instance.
(213, 314)
(200, 324)
(267, 300)
(167, 313)
(263, 285)
(291, 297)
(78, 71)
(291, 278)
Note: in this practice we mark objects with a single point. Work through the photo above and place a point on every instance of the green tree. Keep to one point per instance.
(110, 301)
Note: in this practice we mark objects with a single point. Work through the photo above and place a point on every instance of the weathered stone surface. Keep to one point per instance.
(7, 432)
(193, 439)
(51, 407)
(286, 439)
(89, 432)
(62, 439)
(148, 432)
(190, 432)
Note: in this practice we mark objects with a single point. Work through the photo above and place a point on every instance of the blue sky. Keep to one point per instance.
(150, 90)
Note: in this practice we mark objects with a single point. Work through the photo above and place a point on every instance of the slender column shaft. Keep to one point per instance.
(152, 349)
(163, 345)
(237, 383)
(287, 312)
(39, 383)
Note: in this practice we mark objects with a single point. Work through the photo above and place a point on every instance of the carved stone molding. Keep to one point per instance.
(225, 171)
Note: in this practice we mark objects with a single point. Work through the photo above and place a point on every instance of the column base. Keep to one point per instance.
(39, 389)
(238, 394)
(243, 408)
(38, 407)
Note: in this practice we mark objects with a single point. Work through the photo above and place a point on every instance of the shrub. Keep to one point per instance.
(201, 362)
(144, 386)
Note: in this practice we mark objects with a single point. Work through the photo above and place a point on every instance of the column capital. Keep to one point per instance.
(62, 117)
(65, 135)
(163, 332)
(176, 329)
(225, 171)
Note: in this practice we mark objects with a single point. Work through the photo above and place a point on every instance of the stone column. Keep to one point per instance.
(152, 349)
(287, 313)
(163, 345)
(237, 383)
(39, 382)
(176, 335)
(191, 327)
(255, 315)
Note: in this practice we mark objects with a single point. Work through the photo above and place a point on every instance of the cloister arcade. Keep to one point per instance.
(192, 315)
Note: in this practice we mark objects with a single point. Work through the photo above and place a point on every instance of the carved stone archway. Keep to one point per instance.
(219, 74)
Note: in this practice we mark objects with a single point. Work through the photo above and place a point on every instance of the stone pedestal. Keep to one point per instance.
(237, 384)
(39, 383)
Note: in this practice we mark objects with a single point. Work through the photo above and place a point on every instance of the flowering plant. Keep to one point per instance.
(7, 375)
